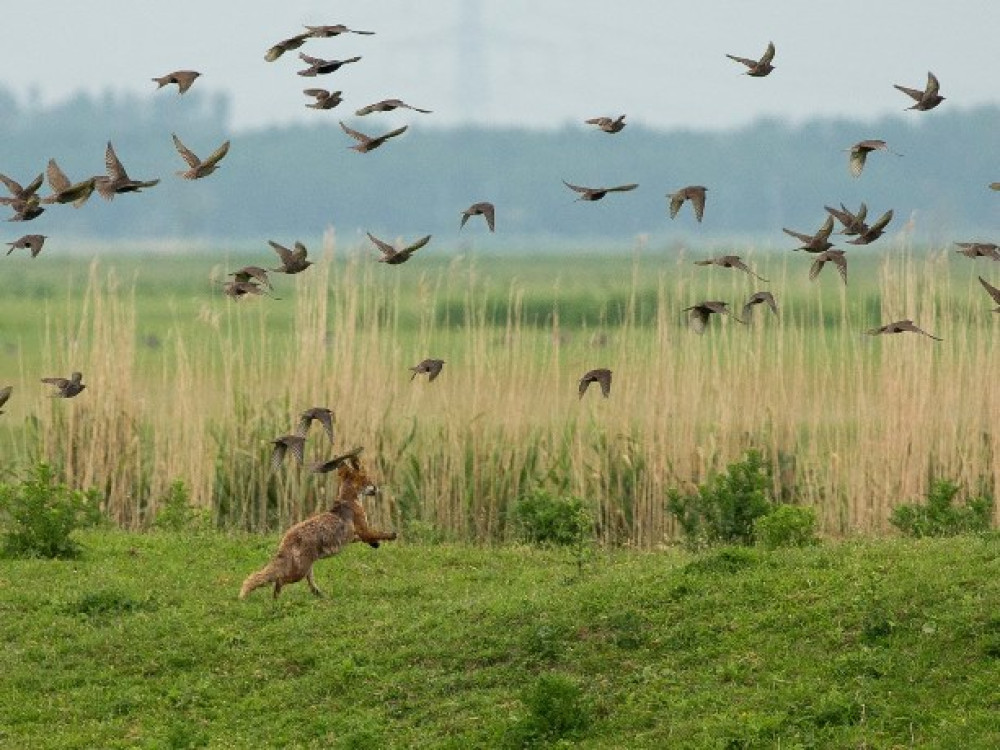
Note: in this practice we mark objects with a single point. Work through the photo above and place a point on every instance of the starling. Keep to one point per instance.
(324, 467)
(63, 191)
(853, 223)
(926, 99)
(387, 105)
(199, 168)
(240, 289)
(292, 261)
(837, 257)
(253, 273)
(323, 99)
(319, 413)
(183, 79)
(979, 250)
(323, 32)
(900, 326)
(759, 298)
(698, 314)
(117, 180)
(814, 243)
(990, 290)
(484, 209)
(859, 152)
(872, 233)
(26, 209)
(365, 142)
(32, 242)
(18, 193)
(295, 443)
(391, 255)
(729, 261)
(67, 388)
(320, 67)
(757, 68)
(596, 193)
(285, 45)
(608, 124)
(693, 193)
(995, 186)
(431, 366)
(601, 376)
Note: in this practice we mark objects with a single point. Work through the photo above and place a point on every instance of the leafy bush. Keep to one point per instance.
(175, 511)
(725, 508)
(39, 516)
(556, 711)
(786, 526)
(940, 516)
(544, 518)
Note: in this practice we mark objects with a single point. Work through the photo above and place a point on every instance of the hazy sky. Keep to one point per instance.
(539, 63)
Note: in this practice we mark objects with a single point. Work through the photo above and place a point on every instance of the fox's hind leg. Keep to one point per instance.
(277, 588)
(312, 582)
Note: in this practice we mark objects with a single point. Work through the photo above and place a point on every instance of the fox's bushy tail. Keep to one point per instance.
(264, 576)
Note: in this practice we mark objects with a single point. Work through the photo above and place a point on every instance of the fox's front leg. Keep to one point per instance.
(365, 533)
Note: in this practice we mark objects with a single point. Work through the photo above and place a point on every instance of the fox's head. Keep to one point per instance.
(355, 480)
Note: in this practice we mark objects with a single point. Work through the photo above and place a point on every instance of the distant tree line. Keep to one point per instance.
(295, 181)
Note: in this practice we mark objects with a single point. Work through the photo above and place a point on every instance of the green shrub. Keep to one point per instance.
(175, 511)
(556, 711)
(725, 508)
(786, 526)
(38, 516)
(544, 518)
(940, 516)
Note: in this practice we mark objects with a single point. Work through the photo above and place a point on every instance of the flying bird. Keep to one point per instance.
(872, 233)
(319, 414)
(601, 376)
(837, 257)
(5, 395)
(183, 79)
(484, 209)
(979, 250)
(391, 255)
(926, 99)
(292, 261)
(199, 168)
(324, 467)
(367, 143)
(859, 152)
(17, 192)
(294, 443)
(320, 67)
(387, 105)
(431, 366)
(900, 326)
(67, 387)
(698, 314)
(32, 242)
(252, 273)
(24, 210)
(990, 290)
(853, 223)
(323, 32)
(757, 68)
(323, 99)
(995, 186)
(241, 289)
(63, 191)
(693, 193)
(117, 179)
(608, 124)
(286, 45)
(814, 243)
(596, 193)
(759, 298)
(729, 261)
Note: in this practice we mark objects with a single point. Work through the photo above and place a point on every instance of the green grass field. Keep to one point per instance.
(142, 643)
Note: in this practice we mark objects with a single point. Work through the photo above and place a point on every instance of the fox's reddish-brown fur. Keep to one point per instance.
(321, 535)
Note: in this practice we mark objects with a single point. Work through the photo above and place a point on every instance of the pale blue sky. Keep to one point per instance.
(539, 63)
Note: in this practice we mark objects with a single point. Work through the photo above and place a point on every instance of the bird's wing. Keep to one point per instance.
(825, 230)
(698, 201)
(5, 394)
(356, 135)
(113, 164)
(216, 156)
(745, 60)
(393, 133)
(676, 201)
(841, 262)
(933, 85)
(883, 221)
(768, 54)
(577, 188)
(805, 238)
(283, 252)
(990, 289)
(309, 59)
(489, 212)
(14, 188)
(623, 188)
(387, 249)
(698, 318)
(817, 266)
(856, 162)
(187, 154)
(417, 245)
(300, 252)
(58, 180)
(912, 93)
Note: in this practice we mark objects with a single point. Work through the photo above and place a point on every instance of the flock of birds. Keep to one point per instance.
(253, 280)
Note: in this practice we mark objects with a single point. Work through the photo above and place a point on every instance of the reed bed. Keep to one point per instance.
(852, 424)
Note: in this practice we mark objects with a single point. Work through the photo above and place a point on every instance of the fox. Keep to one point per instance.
(323, 534)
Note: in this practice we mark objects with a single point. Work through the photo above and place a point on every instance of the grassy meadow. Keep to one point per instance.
(186, 384)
